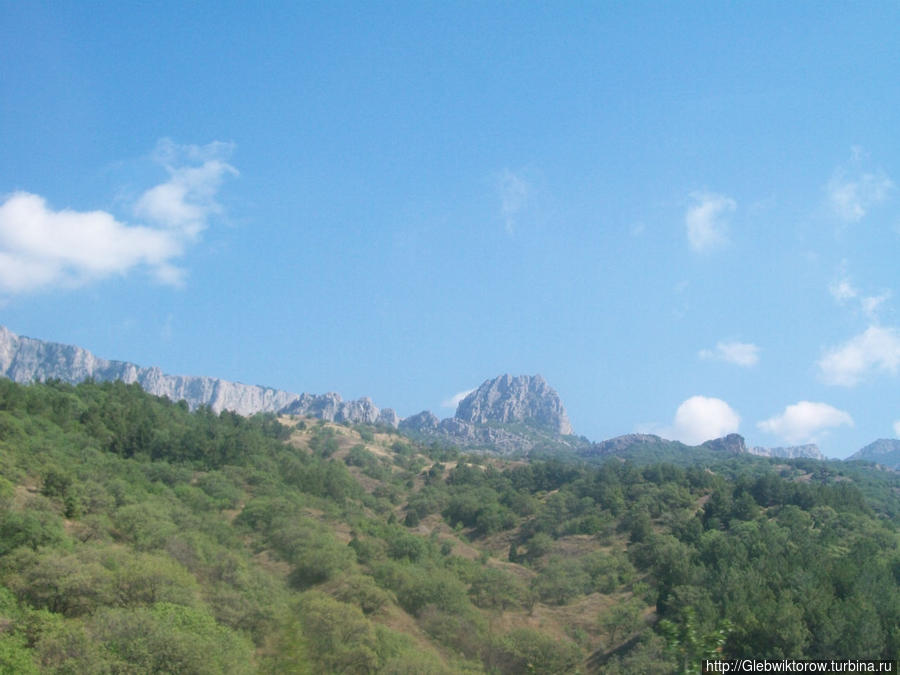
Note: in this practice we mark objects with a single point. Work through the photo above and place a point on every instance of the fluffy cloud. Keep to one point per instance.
(802, 422)
(897, 428)
(739, 353)
(700, 419)
(41, 247)
(706, 221)
(514, 191)
(187, 199)
(877, 350)
(454, 400)
(850, 197)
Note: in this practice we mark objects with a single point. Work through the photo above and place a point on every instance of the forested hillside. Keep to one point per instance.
(136, 536)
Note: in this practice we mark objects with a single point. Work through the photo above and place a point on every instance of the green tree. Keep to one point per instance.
(339, 638)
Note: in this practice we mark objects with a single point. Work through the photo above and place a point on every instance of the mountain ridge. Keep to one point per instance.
(634, 445)
(24, 359)
(507, 414)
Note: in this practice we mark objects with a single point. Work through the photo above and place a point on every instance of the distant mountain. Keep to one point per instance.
(884, 451)
(507, 414)
(24, 359)
(620, 446)
(651, 448)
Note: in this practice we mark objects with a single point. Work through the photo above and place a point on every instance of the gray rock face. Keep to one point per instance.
(811, 451)
(732, 444)
(388, 417)
(333, 408)
(421, 422)
(497, 439)
(507, 399)
(24, 360)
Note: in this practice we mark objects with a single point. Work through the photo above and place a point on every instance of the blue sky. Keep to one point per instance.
(684, 215)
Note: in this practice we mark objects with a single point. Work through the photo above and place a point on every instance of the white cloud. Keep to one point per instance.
(454, 400)
(804, 421)
(706, 221)
(897, 428)
(844, 291)
(41, 247)
(877, 350)
(514, 191)
(739, 353)
(187, 199)
(850, 197)
(700, 419)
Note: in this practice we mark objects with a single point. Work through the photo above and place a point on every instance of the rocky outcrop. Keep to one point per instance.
(732, 444)
(810, 451)
(333, 408)
(507, 399)
(506, 414)
(423, 422)
(24, 359)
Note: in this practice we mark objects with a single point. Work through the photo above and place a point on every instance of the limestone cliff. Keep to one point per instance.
(507, 399)
(25, 359)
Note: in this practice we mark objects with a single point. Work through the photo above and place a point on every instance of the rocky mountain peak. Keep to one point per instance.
(507, 399)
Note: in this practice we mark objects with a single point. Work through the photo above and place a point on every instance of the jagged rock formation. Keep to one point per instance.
(24, 359)
(884, 451)
(506, 414)
(734, 444)
(507, 399)
(810, 450)
(333, 408)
